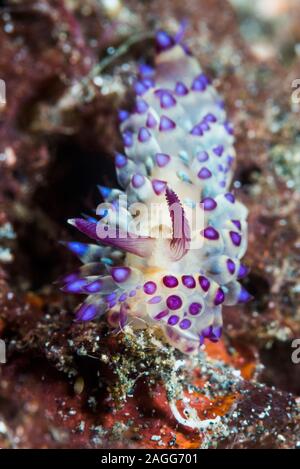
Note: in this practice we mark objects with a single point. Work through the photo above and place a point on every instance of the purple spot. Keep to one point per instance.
(185, 324)
(173, 320)
(243, 271)
(207, 331)
(237, 223)
(155, 300)
(210, 118)
(123, 297)
(202, 156)
(74, 287)
(220, 297)
(212, 333)
(163, 41)
(200, 83)
(94, 287)
(188, 281)
(179, 36)
(204, 283)
(230, 197)
(144, 135)
(123, 115)
(216, 332)
(141, 106)
(167, 100)
(146, 70)
(159, 92)
(210, 233)
(110, 296)
(229, 128)
(230, 160)
(244, 296)
(170, 281)
(161, 315)
(158, 186)
(120, 160)
(105, 191)
(132, 293)
(235, 238)
(79, 249)
(139, 88)
(162, 159)
(151, 121)
(86, 312)
(186, 49)
(222, 183)
(204, 126)
(150, 287)
(120, 274)
(218, 150)
(166, 124)
(174, 302)
(195, 308)
(181, 89)
(127, 138)
(69, 278)
(209, 203)
(204, 173)
(111, 300)
(196, 130)
(230, 266)
(138, 180)
(148, 82)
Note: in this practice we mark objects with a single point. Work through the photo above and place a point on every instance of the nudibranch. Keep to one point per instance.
(179, 155)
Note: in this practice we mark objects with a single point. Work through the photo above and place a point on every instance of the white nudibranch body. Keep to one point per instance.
(168, 272)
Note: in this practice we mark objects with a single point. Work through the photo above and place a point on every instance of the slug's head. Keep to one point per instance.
(165, 41)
